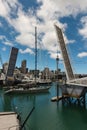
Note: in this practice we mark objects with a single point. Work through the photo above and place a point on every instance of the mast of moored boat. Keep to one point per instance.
(35, 54)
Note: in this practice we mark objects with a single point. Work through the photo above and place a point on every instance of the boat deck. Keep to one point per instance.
(30, 90)
(9, 121)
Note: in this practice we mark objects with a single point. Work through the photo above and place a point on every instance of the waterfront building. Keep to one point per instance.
(33, 72)
(5, 68)
(46, 73)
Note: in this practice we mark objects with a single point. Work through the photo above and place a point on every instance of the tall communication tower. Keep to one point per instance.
(57, 61)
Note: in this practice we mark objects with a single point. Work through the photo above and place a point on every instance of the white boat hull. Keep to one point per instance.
(30, 90)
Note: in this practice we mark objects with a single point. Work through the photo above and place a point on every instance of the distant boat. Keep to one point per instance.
(44, 82)
(26, 80)
(32, 90)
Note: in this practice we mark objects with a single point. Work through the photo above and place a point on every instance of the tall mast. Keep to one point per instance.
(35, 53)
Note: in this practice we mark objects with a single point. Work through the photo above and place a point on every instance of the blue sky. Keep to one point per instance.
(18, 19)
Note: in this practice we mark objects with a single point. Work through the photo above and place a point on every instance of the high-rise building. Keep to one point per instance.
(23, 67)
(46, 73)
(5, 68)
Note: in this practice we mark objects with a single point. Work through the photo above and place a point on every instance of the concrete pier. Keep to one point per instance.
(9, 121)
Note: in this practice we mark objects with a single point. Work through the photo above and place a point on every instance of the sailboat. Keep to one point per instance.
(35, 88)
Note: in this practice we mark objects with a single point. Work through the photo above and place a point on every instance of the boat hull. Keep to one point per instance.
(30, 90)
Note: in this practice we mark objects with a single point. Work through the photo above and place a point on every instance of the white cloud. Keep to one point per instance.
(4, 48)
(82, 54)
(4, 9)
(27, 50)
(83, 30)
(26, 39)
(7, 7)
(5, 40)
(59, 8)
(53, 55)
(49, 41)
(8, 43)
(49, 11)
(23, 23)
(67, 41)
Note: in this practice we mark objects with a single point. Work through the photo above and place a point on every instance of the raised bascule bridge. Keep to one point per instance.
(74, 87)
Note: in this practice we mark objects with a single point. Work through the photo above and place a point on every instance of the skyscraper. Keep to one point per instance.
(23, 67)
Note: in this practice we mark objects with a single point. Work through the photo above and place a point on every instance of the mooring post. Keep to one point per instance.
(57, 90)
(84, 101)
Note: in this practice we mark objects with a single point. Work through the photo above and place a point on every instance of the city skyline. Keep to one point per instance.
(18, 19)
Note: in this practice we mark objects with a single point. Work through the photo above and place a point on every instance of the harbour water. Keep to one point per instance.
(47, 115)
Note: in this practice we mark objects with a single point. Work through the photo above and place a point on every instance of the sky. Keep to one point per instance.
(18, 19)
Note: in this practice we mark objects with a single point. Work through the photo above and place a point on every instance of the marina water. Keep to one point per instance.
(47, 115)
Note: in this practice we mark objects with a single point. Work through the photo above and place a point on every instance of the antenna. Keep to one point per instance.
(57, 60)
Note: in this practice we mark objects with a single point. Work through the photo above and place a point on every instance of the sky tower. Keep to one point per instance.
(57, 61)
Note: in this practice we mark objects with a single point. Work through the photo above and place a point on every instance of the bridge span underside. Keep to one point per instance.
(74, 94)
(73, 90)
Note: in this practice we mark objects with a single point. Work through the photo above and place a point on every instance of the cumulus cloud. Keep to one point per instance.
(7, 7)
(4, 9)
(26, 39)
(83, 30)
(4, 48)
(8, 43)
(54, 55)
(60, 8)
(27, 50)
(82, 54)
(48, 12)
(5, 40)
